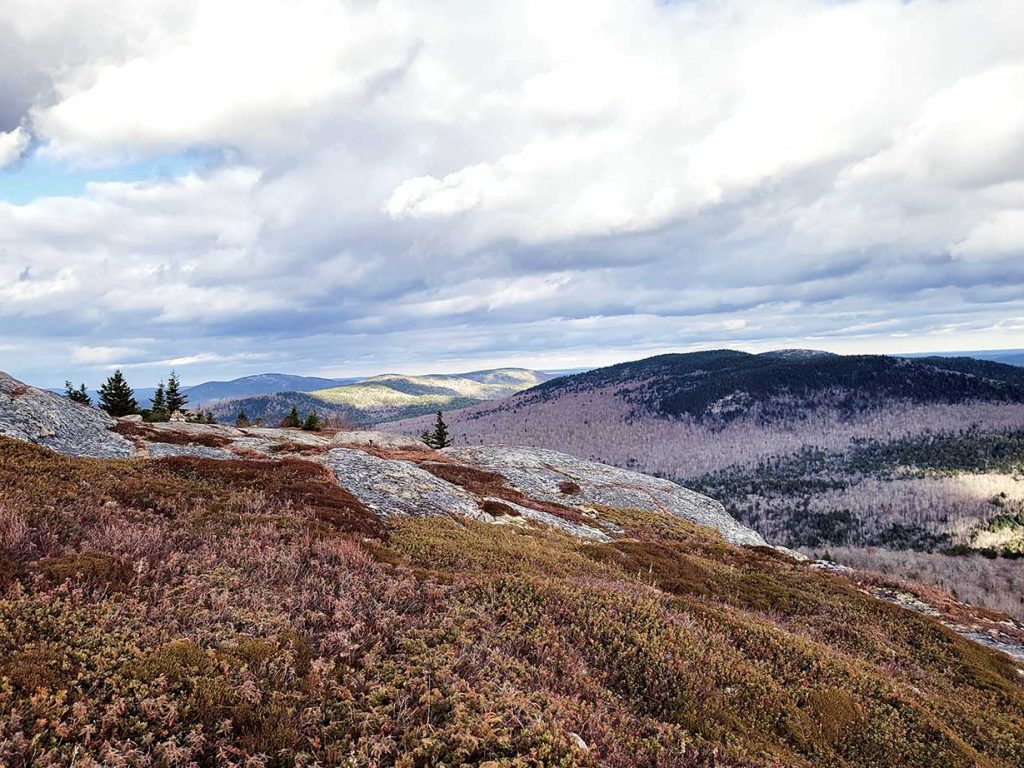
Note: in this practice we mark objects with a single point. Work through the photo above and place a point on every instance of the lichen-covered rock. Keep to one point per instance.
(163, 450)
(53, 421)
(558, 477)
(297, 436)
(391, 487)
(195, 428)
(378, 440)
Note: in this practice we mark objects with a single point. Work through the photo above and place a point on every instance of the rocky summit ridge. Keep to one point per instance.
(53, 421)
(388, 474)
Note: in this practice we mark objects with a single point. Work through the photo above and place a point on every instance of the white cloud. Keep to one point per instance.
(96, 355)
(190, 360)
(466, 170)
(12, 145)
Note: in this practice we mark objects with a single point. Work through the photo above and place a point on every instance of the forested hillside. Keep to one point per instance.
(813, 450)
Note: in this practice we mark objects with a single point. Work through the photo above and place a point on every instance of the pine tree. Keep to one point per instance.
(292, 419)
(312, 422)
(209, 418)
(242, 420)
(116, 397)
(158, 411)
(80, 395)
(176, 399)
(439, 438)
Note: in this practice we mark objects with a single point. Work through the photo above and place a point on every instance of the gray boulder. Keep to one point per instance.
(53, 421)
(378, 440)
(163, 450)
(391, 487)
(552, 476)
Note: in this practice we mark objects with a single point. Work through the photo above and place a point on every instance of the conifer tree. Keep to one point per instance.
(312, 422)
(242, 420)
(158, 410)
(439, 437)
(80, 395)
(292, 419)
(176, 399)
(116, 397)
(209, 418)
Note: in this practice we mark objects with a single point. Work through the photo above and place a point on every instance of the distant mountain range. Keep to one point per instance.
(257, 384)
(1007, 356)
(383, 398)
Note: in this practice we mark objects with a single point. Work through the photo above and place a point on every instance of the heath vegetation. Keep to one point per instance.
(184, 612)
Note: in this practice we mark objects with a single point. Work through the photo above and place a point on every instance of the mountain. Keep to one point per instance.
(725, 384)
(259, 384)
(279, 597)
(385, 397)
(1007, 356)
(814, 451)
(246, 386)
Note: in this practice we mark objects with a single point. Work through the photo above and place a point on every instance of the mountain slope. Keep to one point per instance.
(386, 397)
(381, 606)
(811, 450)
(726, 384)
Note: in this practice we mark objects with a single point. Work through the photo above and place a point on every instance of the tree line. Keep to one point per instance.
(117, 398)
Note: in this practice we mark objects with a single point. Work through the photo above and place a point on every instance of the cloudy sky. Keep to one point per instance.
(351, 186)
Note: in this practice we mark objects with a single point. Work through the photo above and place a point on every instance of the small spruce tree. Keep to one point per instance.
(80, 395)
(209, 418)
(439, 437)
(176, 399)
(116, 397)
(158, 411)
(242, 420)
(312, 422)
(292, 419)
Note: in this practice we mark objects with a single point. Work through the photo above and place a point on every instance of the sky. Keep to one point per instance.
(334, 187)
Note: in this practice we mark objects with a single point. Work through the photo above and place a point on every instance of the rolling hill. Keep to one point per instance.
(258, 384)
(812, 450)
(386, 397)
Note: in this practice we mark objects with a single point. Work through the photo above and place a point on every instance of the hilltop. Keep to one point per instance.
(721, 385)
(276, 597)
(385, 397)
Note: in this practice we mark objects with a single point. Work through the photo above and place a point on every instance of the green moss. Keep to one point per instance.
(97, 570)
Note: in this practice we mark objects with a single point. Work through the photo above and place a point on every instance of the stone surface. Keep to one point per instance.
(196, 428)
(542, 474)
(391, 487)
(378, 440)
(279, 435)
(162, 450)
(54, 421)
